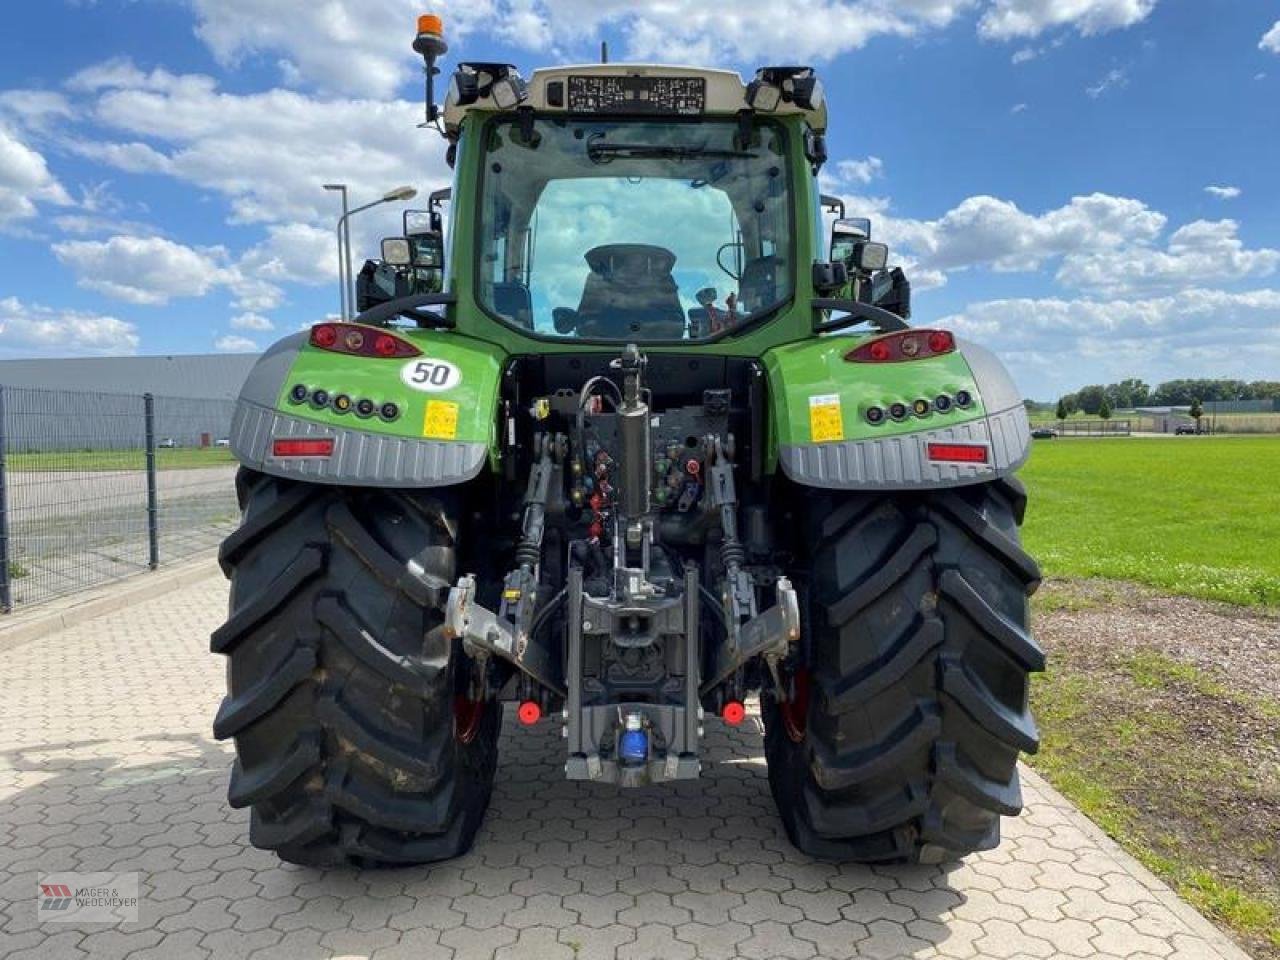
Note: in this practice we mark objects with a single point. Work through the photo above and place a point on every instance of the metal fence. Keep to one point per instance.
(94, 487)
(1093, 428)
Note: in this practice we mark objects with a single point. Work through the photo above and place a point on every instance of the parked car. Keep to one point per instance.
(1043, 433)
(1186, 430)
(166, 443)
(222, 442)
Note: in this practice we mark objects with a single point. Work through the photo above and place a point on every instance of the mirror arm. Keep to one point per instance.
(855, 312)
(403, 307)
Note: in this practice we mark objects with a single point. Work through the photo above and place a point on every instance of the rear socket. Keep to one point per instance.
(898, 411)
(963, 398)
(875, 415)
(389, 411)
(365, 408)
(320, 398)
(299, 393)
(942, 403)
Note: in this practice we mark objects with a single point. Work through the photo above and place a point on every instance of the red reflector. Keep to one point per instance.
(529, 713)
(880, 351)
(733, 713)
(941, 341)
(958, 452)
(317, 447)
(385, 345)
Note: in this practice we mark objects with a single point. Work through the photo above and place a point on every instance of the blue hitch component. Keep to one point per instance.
(633, 745)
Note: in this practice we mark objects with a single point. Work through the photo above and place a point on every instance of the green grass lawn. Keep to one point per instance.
(1192, 515)
(178, 458)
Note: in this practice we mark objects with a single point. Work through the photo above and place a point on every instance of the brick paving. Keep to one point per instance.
(107, 764)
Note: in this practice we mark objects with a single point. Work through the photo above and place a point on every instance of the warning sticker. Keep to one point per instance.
(441, 420)
(825, 422)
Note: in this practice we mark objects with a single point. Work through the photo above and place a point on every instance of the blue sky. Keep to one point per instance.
(1087, 186)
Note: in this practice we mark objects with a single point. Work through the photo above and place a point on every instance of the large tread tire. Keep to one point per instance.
(343, 693)
(902, 742)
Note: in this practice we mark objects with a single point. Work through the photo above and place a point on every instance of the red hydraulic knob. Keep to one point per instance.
(733, 713)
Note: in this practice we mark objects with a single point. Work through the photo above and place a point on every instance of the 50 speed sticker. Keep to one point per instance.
(430, 375)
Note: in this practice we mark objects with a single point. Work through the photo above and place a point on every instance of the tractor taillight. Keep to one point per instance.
(358, 340)
(958, 452)
(302, 447)
(324, 335)
(903, 345)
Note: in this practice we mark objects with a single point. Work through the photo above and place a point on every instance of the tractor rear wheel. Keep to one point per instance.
(356, 736)
(900, 737)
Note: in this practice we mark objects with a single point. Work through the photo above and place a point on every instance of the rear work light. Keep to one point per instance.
(303, 447)
(358, 340)
(958, 452)
(904, 345)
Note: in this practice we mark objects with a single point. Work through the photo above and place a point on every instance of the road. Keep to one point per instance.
(106, 763)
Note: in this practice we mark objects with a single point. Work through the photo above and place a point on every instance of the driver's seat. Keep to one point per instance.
(630, 291)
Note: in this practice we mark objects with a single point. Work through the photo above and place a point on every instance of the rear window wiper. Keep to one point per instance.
(604, 152)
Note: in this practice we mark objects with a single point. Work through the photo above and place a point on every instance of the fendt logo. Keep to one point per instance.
(55, 896)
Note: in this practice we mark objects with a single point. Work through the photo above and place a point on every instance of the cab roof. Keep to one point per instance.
(552, 89)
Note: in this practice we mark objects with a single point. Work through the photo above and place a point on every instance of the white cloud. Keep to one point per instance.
(1223, 193)
(35, 330)
(350, 47)
(268, 153)
(860, 171)
(1115, 79)
(1100, 243)
(1018, 108)
(234, 343)
(251, 321)
(1199, 252)
(1271, 39)
(1009, 19)
(144, 270)
(1156, 338)
(295, 252)
(25, 180)
(1024, 55)
(987, 231)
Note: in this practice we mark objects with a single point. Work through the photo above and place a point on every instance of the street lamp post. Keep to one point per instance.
(342, 242)
(397, 195)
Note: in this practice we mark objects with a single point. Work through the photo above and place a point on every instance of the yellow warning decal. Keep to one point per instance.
(825, 421)
(511, 594)
(441, 421)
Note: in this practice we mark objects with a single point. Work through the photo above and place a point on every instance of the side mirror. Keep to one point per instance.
(428, 249)
(397, 252)
(846, 232)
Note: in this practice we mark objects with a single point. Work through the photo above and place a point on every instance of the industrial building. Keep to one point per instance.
(97, 403)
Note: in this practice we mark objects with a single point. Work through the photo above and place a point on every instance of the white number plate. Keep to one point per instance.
(430, 376)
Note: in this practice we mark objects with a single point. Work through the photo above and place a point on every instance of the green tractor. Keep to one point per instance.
(631, 441)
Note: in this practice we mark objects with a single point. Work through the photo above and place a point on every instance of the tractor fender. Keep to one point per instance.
(442, 432)
(822, 436)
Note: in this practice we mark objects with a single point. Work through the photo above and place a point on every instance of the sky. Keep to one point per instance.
(1088, 187)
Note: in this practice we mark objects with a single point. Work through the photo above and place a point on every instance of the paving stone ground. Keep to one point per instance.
(107, 764)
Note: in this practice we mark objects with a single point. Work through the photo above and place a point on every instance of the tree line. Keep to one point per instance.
(1101, 399)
